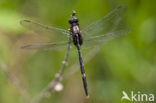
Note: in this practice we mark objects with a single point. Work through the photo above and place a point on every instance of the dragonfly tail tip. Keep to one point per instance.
(87, 96)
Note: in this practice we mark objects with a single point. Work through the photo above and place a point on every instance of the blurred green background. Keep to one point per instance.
(127, 63)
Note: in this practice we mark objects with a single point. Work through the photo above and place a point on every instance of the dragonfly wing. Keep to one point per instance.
(37, 26)
(110, 22)
(103, 39)
(45, 46)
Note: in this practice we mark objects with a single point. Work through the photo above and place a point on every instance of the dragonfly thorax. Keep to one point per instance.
(75, 30)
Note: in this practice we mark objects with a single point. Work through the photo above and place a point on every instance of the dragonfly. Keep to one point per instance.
(99, 32)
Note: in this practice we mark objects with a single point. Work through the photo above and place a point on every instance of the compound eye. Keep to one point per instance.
(70, 21)
(76, 20)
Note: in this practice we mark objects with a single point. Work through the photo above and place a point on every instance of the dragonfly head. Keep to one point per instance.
(74, 12)
(73, 18)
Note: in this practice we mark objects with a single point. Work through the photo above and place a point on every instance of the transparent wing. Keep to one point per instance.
(109, 23)
(37, 26)
(102, 39)
(46, 46)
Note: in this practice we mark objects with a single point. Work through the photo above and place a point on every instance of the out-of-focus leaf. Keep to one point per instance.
(9, 21)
